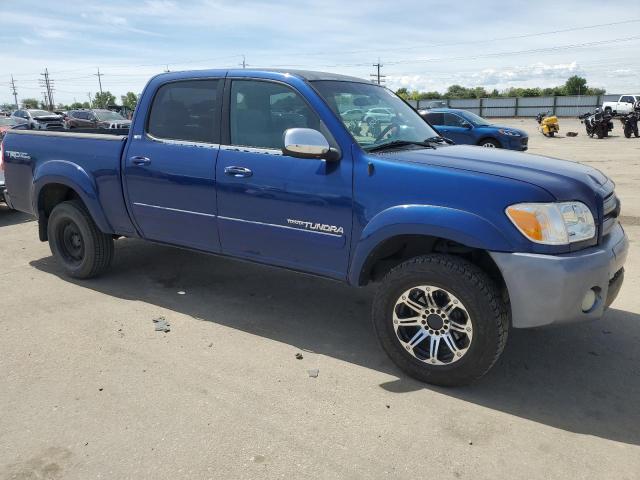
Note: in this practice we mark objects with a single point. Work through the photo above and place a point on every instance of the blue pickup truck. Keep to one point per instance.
(463, 242)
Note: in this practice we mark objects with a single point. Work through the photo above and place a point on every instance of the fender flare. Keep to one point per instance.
(76, 178)
(459, 226)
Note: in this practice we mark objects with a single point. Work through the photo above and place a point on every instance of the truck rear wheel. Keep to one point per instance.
(76, 242)
(441, 319)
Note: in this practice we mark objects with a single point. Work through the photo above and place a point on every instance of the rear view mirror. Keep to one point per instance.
(307, 143)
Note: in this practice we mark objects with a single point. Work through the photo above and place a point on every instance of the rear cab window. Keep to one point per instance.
(187, 110)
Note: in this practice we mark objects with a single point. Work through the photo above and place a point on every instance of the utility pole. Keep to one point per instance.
(90, 99)
(47, 83)
(15, 92)
(379, 79)
(244, 62)
(99, 75)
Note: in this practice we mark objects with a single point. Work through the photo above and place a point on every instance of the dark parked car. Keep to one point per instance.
(467, 128)
(40, 119)
(96, 119)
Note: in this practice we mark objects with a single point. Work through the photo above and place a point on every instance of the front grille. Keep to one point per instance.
(610, 212)
(54, 126)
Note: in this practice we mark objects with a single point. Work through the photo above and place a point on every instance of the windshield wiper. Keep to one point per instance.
(400, 143)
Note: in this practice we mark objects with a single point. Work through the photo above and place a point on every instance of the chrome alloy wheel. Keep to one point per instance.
(432, 325)
(489, 145)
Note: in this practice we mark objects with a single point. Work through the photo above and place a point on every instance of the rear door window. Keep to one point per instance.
(435, 118)
(187, 110)
(452, 120)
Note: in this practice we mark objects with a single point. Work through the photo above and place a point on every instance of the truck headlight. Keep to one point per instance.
(553, 223)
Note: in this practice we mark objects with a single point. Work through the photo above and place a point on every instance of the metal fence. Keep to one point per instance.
(563, 106)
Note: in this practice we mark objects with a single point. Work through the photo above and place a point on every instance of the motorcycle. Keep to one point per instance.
(630, 121)
(549, 125)
(597, 123)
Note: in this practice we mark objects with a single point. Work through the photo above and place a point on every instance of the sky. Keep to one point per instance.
(423, 45)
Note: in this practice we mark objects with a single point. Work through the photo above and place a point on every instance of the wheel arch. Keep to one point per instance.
(400, 233)
(484, 138)
(59, 181)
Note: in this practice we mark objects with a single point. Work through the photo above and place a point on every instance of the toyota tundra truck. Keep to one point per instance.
(463, 242)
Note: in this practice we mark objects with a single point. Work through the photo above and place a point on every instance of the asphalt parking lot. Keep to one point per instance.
(89, 389)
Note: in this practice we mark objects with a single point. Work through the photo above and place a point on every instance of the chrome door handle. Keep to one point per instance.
(140, 160)
(238, 172)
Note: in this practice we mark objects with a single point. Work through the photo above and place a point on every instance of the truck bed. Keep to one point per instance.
(55, 156)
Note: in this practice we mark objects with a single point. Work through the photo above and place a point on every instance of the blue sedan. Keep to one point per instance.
(467, 128)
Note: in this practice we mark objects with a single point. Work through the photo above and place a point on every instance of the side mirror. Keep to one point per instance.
(307, 143)
(466, 125)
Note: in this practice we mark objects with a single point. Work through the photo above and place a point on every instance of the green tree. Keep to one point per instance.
(401, 92)
(103, 100)
(7, 107)
(576, 85)
(30, 102)
(427, 96)
(130, 100)
(79, 105)
(457, 91)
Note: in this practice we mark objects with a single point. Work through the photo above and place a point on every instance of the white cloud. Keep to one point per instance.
(537, 74)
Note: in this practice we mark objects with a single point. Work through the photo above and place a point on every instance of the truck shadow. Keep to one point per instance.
(12, 217)
(583, 379)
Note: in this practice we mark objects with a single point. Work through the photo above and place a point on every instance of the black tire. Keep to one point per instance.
(607, 110)
(486, 142)
(76, 242)
(627, 131)
(487, 311)
(552, 133)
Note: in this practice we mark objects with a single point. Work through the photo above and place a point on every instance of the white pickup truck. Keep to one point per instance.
(623, 106)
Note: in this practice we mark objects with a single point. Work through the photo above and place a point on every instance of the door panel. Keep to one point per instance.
(288, 211)
(455, 131)
(170, 182)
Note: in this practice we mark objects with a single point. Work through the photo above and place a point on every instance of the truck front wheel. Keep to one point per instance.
(441, 319)
(76, 242)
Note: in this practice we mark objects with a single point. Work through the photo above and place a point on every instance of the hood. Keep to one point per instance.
(563, 179)
(48, 118)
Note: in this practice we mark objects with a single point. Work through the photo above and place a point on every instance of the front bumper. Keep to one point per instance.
(517, 143)
(549, 289)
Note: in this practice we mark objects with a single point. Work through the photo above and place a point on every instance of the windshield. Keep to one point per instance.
(108, 115)
(474, 119)
(373, 115)
(40, 113)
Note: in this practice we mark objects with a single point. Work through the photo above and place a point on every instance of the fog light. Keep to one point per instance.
(589, 300)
